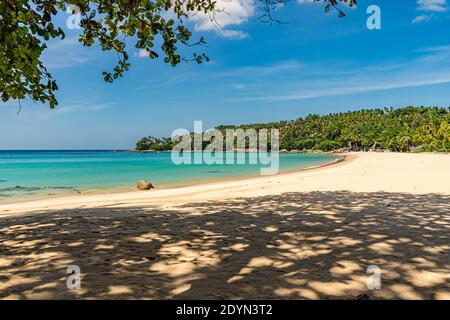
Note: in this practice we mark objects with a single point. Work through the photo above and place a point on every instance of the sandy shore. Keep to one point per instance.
(307, 235)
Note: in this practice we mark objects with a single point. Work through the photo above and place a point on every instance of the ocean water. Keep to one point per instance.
(45, 173)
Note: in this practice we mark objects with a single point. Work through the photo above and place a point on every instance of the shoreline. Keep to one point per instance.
(126, 189)
(389, 172)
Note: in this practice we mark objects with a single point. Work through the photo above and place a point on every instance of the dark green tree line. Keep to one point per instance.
(401, 130)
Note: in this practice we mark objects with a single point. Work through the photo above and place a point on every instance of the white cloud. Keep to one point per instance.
(233, 34)
(431, 67)
(84, 106)
(421, 18)
(66, 53)
(229, 13)
(432, 5)
(143, 53)
(238, 86)
(43, 112)
(259, 71)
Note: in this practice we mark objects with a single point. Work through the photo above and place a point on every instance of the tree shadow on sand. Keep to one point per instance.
(314, 245)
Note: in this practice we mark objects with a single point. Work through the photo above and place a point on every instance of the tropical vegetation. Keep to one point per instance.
(402, 130)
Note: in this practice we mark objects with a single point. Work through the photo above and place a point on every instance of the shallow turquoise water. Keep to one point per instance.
(28, 173)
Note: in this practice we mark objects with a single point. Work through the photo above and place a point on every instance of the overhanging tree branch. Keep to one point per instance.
(27, 25)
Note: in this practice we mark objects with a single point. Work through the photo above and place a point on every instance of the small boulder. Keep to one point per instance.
(144, 185)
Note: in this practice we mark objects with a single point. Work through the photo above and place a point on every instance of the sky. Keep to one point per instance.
(258, 72)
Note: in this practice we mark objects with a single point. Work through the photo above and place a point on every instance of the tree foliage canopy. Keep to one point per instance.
(404, 129)
(157, 26)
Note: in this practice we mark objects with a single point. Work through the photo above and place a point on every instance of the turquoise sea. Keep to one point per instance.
(24, 174)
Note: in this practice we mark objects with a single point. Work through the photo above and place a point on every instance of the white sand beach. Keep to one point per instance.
(303, 235)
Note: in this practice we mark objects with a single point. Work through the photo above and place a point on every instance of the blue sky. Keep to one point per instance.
(317, 63)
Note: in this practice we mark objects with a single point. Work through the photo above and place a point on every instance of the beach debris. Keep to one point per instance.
(362, 296)
(144, 185)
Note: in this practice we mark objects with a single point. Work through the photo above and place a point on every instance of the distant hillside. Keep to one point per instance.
(404, 129)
